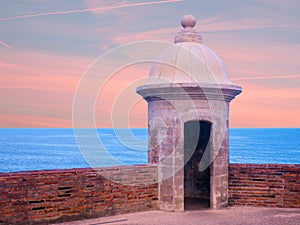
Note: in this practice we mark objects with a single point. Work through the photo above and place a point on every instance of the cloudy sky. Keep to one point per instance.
(46, 46)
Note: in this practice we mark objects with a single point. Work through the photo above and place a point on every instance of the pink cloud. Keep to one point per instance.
(39, 92)
(119, 92)
(40, 63)
(261, 58)
(260, 105)
(5, 44)
(37, 89)
(35, 85)
(45, 92)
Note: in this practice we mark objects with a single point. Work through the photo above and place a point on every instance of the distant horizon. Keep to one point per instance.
(40, 148)
(136, 128)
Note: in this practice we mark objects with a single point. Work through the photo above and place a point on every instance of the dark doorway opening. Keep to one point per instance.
(196, 182)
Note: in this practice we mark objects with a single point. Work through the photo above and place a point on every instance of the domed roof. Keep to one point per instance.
(188, 60)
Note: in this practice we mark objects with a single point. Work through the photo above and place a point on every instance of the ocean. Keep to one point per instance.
(26, 149)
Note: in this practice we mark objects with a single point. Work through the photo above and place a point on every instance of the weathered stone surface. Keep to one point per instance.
(190, 84)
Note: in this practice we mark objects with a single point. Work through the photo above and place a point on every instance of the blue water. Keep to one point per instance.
(43, 149)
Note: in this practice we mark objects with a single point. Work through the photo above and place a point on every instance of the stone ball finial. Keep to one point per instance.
(188, 21)
(188, 33)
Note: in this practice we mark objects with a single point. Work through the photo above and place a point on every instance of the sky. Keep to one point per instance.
(47, 46)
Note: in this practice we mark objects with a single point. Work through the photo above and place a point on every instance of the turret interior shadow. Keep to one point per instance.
(196, 180)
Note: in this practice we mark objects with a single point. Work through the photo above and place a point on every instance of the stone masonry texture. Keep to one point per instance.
(270, 185)
(39, 197)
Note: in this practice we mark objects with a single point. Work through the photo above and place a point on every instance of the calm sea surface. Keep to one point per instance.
(41, 149)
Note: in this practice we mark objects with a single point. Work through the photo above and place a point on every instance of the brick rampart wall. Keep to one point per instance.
(41, 196)
(62, 195)
(271, 185)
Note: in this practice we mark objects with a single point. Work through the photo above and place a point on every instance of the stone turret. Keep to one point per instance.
(188, 93)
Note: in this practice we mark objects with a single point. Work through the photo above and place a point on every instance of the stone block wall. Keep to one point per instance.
(61, 195)
(271, 185)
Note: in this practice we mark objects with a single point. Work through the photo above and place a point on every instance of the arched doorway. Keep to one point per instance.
(196, 182)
